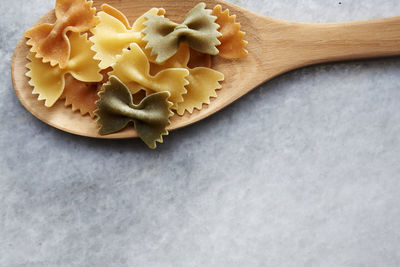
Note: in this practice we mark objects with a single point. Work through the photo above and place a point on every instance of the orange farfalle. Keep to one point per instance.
(50, 41)
(81, 96)
(232, 42)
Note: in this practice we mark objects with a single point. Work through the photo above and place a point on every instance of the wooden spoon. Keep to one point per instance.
(275, 47)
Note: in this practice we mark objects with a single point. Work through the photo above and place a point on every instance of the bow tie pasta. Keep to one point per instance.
(116, 110)
(198, 30)
(113, 34)
(161, 65)
(49, 81)
(50, 41)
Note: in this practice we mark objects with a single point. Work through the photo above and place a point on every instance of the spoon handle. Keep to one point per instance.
(290, 45)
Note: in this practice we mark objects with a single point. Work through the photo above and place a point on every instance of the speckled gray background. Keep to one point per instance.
(303, 171)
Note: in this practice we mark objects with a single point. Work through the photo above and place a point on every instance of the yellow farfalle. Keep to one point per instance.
(232, 43)
(113, 34)
(203, 82)
(133, 69)
(110, 10)
(49, 81)
(50, 41)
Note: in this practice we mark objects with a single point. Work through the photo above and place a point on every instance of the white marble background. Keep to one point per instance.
(303, 171)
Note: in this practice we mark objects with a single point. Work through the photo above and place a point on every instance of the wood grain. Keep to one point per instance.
(275, 47)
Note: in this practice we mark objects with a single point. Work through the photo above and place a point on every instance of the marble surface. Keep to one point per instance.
(303, 171)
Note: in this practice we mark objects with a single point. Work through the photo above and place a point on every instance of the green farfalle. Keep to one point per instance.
(198, 30)
(116, 110)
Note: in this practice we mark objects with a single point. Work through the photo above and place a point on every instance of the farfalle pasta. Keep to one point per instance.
(232, 43)
(198, 30)
(131, 74)
(80, 96)
(133, 69)
(49, 81)
(203, 82)
(112, 11)
(113, 34)
(50, 41)
(116, 110)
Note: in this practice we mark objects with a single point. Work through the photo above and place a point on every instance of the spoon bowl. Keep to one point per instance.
(275, 47)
